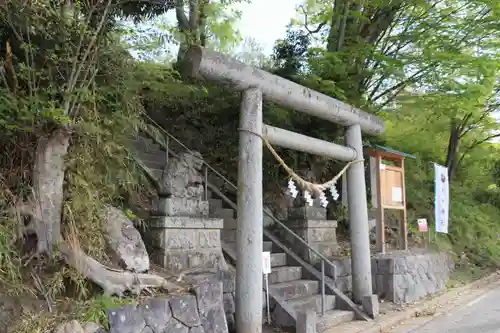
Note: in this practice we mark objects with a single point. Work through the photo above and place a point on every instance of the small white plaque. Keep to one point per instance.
(266, 262)
(397, 194)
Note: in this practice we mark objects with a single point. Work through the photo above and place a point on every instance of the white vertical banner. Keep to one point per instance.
(442, 198)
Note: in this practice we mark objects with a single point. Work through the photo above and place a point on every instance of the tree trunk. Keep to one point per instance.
(356, 25)
(192, 26)
(453, 148)
(45, 209)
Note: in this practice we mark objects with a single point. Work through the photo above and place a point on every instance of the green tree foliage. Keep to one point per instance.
(205, 23)
(430, 68)
(64, 71)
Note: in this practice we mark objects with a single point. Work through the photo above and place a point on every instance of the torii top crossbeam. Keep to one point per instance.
(215, 66)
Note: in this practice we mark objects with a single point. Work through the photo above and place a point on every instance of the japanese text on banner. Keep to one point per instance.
(442, 198)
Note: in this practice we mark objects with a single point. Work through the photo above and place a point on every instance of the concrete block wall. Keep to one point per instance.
(400, 278)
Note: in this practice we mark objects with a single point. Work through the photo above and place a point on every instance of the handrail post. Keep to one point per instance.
(166, 150)
(206, 183)
(322, 287)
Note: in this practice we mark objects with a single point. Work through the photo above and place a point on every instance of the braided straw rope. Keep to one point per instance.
(314, 188)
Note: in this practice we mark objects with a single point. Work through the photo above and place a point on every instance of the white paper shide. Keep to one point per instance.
(442, 198)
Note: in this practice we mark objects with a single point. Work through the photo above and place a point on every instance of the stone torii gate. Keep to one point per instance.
(254, 85)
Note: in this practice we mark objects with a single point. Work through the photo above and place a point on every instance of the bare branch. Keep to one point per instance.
(306, 24)
(475, 144)
(403, 84)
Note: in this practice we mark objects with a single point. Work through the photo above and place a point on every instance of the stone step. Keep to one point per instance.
(146, 145)
(215, 203)
(230, 224)
(153, 164)
(284, 274)
(333, 318)
(228, 236)
(266, 246)
(278, 259)
(153, 160)
(312, 302)
(155, 156)
(223, 213)
(294, 289)
(216, 180)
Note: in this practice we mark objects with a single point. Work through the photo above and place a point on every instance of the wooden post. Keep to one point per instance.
(404, 222)
(380, 228)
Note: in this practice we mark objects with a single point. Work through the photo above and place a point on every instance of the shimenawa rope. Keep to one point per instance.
(302, 183)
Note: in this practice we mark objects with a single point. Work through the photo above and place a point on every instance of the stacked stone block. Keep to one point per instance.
(183, 243)
(341, 273)
(311, 224)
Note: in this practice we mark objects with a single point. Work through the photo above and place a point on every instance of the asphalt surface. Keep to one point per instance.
(481, 315)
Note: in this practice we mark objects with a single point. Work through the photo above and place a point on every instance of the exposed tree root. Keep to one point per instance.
(112, 281)
(45, 209)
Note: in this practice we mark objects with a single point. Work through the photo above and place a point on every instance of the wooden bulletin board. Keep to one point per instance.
(392, 185)
(390, 192)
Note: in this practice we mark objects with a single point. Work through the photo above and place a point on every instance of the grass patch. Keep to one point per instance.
(95, 310)
(92, 310)
(466, 274)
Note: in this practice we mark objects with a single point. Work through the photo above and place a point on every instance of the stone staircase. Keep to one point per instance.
(289, 287)
(286, 281)
(150, 155)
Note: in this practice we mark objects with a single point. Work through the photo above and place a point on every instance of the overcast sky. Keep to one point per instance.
(266, 20)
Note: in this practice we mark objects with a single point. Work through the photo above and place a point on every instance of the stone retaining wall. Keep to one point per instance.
(227, 280)
(400, 278)
(200, 312)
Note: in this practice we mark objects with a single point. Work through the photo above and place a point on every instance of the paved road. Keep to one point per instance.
(481, 315)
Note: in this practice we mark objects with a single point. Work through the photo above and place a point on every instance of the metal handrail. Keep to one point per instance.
(281, 224)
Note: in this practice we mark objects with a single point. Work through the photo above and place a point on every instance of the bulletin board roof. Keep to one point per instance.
(388, 151)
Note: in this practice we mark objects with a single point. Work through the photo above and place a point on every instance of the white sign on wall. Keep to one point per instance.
(266, 262)
(442, 198)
